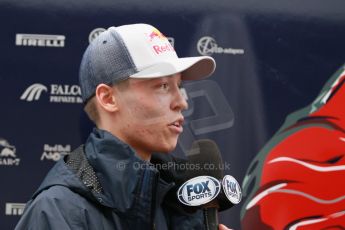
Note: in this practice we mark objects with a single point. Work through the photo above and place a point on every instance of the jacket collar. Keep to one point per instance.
(129, 183)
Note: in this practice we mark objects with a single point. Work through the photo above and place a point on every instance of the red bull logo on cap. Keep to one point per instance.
(163, 48)
(162, 44)
(156, 34)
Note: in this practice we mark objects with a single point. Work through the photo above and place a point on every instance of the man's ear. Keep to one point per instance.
(105, 97)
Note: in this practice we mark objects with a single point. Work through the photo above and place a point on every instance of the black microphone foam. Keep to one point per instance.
(206, 154)
(205, 159)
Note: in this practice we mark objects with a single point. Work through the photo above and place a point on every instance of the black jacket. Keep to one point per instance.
(104, 185)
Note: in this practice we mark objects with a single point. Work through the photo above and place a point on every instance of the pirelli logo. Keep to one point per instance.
(14, 209)
(40, 40)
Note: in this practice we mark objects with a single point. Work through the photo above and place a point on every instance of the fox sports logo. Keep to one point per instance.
(199, 190)
(232, 189)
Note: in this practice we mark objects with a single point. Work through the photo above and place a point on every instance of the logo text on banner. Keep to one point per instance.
(94, 33)
(58, 93)
(55, 152)
(208, 46)
(40, 40)
(14, 209)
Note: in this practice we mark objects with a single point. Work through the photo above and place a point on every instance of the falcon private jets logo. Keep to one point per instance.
(33, 92)
(57, 93)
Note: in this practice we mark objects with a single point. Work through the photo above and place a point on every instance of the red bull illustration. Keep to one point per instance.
(7, 150)
(156, 34)
(162, 44)
(297, 181)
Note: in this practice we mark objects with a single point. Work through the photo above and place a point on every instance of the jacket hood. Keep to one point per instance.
(123, 176)
(62, 175)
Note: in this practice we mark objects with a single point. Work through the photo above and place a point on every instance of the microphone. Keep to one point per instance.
(207, 178)
(205, 154)
(199, 182)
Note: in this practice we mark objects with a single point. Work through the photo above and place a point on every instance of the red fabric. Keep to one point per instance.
(307, 197)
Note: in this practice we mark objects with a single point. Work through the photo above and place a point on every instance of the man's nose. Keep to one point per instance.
(179, 102)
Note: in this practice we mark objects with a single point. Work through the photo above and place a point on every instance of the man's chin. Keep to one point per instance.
(168, 148)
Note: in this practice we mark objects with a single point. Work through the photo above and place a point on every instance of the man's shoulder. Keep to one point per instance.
(61, 196)
(56, 207)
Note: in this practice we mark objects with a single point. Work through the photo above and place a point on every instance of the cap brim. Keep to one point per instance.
(191, 68)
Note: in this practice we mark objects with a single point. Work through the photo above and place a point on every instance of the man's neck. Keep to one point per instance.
(143, 155)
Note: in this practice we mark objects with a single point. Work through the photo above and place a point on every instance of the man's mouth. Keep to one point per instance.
(177, 125)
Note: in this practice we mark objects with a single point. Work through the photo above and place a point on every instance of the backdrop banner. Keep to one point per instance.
(274, 106)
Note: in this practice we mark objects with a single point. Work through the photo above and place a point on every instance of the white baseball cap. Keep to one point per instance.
(136, 51)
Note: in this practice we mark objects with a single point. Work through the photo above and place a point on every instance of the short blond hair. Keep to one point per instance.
(91, 110)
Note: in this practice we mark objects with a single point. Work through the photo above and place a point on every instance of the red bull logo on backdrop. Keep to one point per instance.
(8, 154)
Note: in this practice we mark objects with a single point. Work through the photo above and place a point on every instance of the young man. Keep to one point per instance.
(130, 78)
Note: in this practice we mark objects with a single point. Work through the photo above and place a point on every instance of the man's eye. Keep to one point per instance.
(164, 86)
